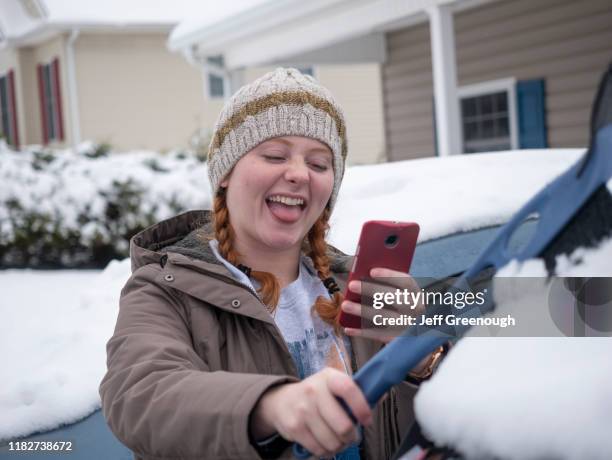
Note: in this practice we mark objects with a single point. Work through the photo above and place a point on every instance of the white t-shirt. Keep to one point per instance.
(313, 344)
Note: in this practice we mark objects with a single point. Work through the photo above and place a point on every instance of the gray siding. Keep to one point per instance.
(565, 42)
(408, 94)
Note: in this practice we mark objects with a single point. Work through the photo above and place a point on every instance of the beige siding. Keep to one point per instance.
(133, 93)
(357, 87)
(31, 126)
(565, 42)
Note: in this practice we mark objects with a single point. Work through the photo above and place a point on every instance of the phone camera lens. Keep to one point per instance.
(391, 241)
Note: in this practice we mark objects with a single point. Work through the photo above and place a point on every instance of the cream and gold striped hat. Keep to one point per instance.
(284, 102)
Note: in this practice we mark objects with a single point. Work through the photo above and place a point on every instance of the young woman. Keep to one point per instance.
(227, 344)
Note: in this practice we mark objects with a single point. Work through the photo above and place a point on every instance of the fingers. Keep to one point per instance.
(343, 386)
(329, 427)
(325, 432)
(337, 419)
(296, 425)
(309, 441)
(309, 413)
(388, 288)
(367, 312)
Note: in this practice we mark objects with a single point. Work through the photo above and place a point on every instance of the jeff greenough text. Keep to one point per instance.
(421, 299)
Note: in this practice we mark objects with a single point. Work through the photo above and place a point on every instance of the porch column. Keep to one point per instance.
(445, 80)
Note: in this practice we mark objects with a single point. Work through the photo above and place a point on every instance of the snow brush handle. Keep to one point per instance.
(387, 368)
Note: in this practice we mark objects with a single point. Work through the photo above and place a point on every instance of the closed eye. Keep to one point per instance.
(320, 167)
(273, 157)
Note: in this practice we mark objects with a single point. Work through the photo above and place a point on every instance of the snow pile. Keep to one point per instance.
(90, 199)
(523, 398)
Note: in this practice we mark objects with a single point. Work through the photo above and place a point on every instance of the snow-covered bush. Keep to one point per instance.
(65, 208)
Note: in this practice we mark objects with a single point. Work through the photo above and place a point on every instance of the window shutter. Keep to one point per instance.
(13, 108)
(530, 97)
(58, 98)
(43, 104)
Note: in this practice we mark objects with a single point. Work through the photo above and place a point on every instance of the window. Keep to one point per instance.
(8, 109)
(50, 101)
(488, 116)
(215, 85)
(216, 79)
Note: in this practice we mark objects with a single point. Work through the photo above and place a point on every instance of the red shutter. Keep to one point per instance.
(13, 108)
(58, 97)
(43, 103)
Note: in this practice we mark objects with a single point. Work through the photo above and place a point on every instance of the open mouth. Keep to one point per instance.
(287, 200)
(286, 208)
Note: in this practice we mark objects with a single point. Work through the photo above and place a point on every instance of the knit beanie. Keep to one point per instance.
(284, 102)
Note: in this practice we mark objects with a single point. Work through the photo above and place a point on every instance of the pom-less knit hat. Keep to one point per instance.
(281, 103)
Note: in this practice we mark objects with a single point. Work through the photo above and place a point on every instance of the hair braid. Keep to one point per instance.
(327, 309)
(269, 290)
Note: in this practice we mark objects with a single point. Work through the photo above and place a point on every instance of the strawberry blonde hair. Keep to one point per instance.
(314, 246)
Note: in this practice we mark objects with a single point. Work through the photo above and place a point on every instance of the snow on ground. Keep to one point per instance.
(526, 397)
(54, 329)
(55, 324)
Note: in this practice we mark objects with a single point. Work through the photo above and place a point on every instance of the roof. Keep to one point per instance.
(30, 21)
(263, 32)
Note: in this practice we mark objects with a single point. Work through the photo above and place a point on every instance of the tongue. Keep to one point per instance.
(284, 212)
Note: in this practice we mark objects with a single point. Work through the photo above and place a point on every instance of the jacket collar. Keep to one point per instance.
(182, 234)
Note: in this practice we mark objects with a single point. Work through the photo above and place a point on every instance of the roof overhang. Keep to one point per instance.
(290, 30)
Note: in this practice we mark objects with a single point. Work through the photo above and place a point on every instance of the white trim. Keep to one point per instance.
(277, 31)
(444, 66)
(213, 38)
(73, 96)
(494, 86)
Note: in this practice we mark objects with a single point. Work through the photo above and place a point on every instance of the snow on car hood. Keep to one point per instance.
(526, 397)
(444, 195)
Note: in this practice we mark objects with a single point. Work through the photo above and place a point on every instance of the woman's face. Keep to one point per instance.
(277, 191)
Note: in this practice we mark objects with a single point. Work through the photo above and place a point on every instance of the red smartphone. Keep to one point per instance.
(388, 244)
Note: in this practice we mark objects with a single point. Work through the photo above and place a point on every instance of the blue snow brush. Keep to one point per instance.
(575, 210)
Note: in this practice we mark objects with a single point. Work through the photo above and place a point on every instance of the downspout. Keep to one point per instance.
(75, 125)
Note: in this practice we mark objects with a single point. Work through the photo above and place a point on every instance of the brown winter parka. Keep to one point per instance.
(193, 351)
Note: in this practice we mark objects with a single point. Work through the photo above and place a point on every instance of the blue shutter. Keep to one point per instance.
(530, 96)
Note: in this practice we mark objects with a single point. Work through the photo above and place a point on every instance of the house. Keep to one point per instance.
(457, 76)
(72, 71)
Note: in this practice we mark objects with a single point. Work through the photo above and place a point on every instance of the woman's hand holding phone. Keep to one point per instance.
(391, 280)
(382, 280)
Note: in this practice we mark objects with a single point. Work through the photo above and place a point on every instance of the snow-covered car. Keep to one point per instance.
(55, 356)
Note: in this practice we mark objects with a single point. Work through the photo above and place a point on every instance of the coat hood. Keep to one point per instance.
(181, 234)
